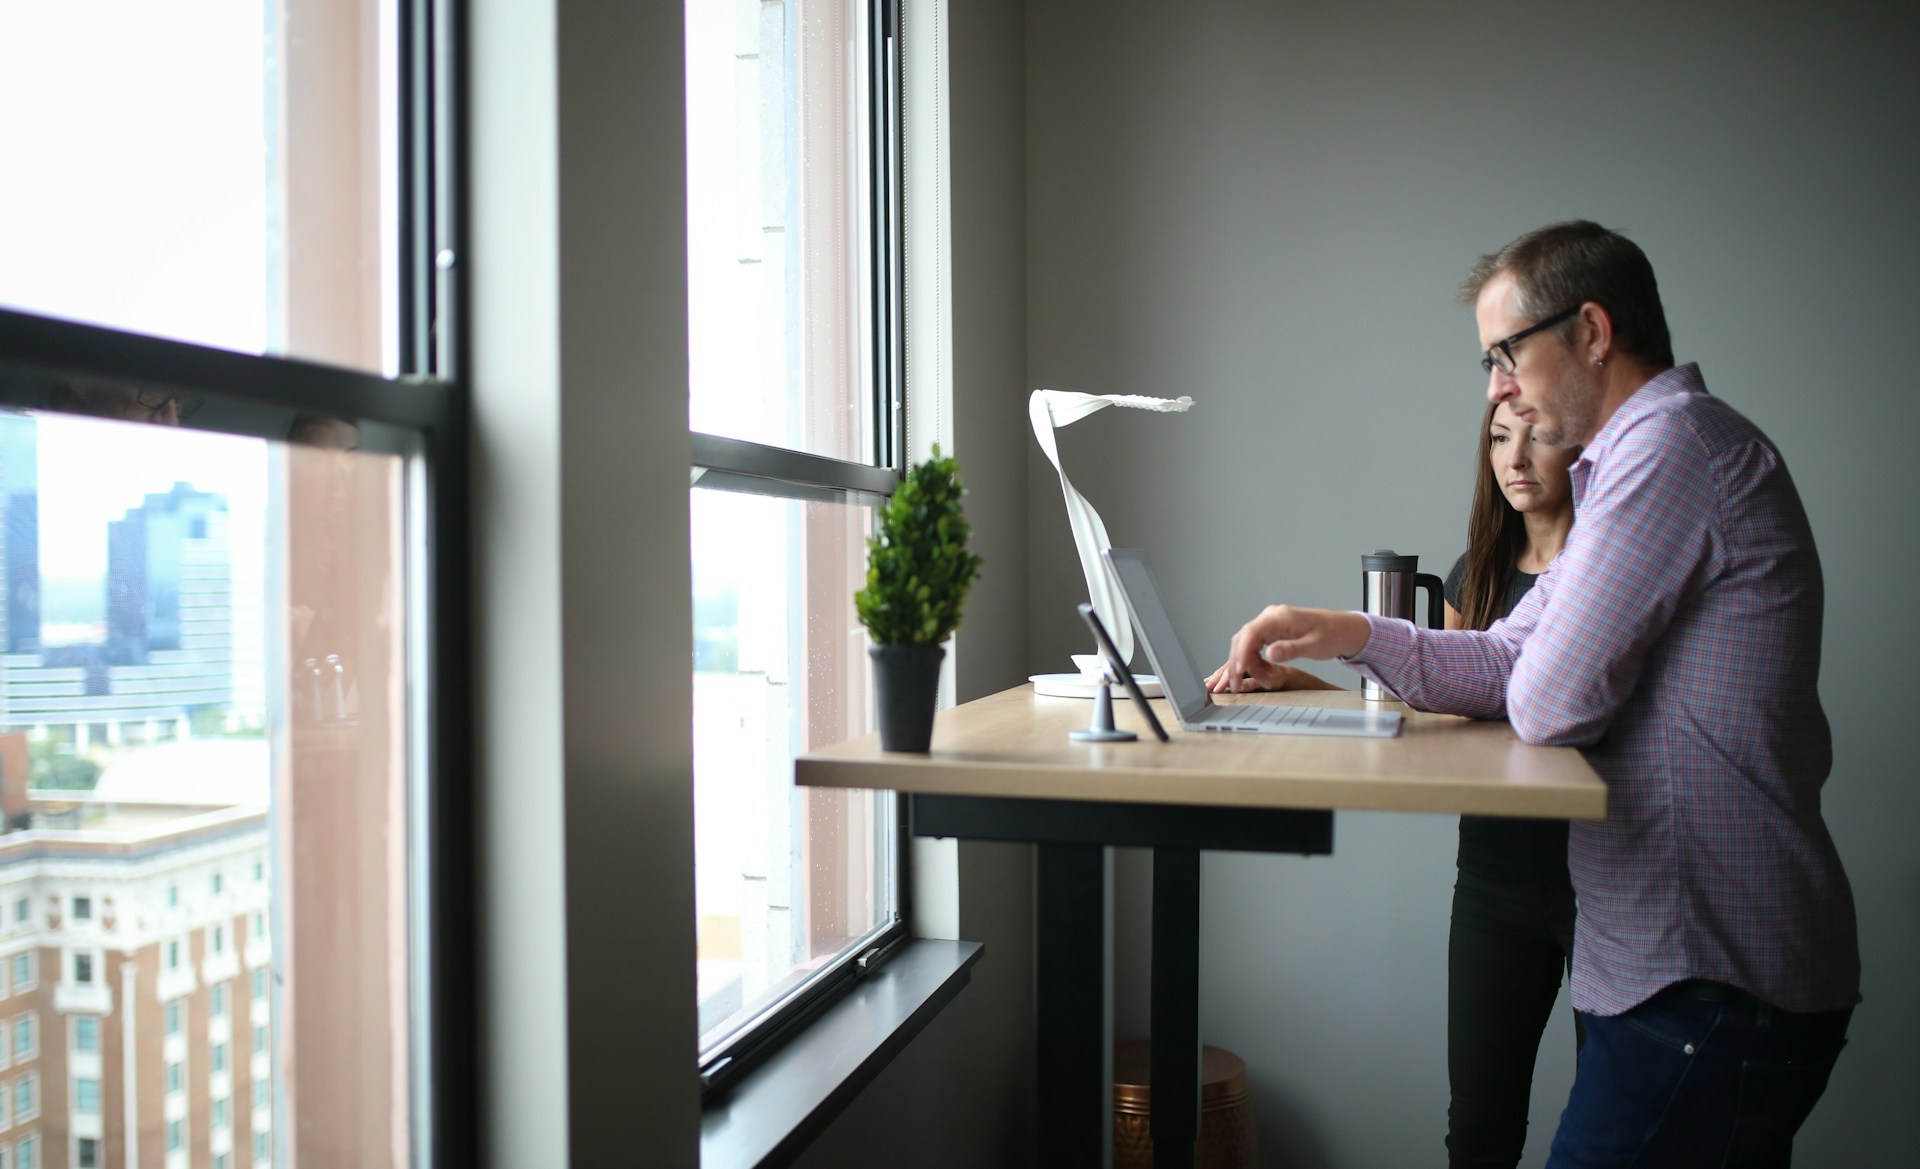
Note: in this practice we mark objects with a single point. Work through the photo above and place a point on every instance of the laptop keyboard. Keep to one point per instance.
(1261, 715)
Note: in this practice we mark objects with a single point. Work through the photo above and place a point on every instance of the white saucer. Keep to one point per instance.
(1077, 686)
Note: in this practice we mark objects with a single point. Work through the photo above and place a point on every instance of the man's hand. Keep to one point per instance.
(1281, 633)
(1221, 681)
(1284, 678)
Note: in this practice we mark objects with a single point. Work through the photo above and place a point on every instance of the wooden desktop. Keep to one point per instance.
(1002, 768)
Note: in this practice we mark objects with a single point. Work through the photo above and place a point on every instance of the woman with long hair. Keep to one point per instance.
(1512, 931)
(1511, 937)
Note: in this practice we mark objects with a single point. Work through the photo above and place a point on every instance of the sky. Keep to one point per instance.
(92, 471)
(143, 128)
(135, 142)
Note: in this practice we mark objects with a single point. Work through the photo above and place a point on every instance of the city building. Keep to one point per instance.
(136, 984)
(166, 655)
(20, 531)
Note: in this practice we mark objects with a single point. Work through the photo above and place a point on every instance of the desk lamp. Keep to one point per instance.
(1049, 410)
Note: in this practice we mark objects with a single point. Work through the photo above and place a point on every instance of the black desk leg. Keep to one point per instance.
(1176, 1007)
(1075, 1089)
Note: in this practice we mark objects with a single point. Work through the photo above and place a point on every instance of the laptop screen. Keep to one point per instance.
(1178, 674)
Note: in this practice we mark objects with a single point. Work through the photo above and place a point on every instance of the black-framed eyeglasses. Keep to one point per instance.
(1500, 353)
(156, 401)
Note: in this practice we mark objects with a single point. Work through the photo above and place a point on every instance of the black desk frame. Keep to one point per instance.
(1074, 1028)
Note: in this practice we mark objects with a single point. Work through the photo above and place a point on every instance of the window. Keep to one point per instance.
(258, 548)
(23, 971)
(794, 362)
(226, 210)
(176, 1076)
(22, 911)
(218, 996)
(23, 1038)
(262, 1095)
(222, 1110)
(86, 1153)
(259, 978)
(219, 1057)
(223, 1161)
(86, 1094)
(785, 255)
(26, 1153)
(233, 551)
(6, 1106)
(259, 1146)
(259, 926)
(25, 1103)
(176, 1136)
(323, 567)
(83, 909)
(86, 1033)
(259, 1040)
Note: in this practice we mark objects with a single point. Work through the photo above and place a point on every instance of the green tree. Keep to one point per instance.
(53, 766)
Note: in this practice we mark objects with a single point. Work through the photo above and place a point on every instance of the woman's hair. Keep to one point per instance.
(1496, 536)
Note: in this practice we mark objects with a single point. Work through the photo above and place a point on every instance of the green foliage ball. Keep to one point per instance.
(918, 566)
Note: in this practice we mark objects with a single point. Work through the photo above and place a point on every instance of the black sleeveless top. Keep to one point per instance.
(1502, 848)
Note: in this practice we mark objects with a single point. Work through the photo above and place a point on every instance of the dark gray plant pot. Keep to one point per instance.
(906, 683)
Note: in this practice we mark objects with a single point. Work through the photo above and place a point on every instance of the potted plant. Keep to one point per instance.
(918, 573)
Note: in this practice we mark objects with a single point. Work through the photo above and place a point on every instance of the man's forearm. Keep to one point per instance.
(1447, 671)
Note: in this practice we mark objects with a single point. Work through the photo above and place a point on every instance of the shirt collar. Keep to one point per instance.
(1681, 379)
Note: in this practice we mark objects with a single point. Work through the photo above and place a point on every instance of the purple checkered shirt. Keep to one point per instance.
(1676, 640)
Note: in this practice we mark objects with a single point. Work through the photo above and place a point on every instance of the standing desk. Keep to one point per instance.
(1002, 768)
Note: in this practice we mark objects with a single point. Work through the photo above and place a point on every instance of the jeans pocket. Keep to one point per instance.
(1632, 1069)
(1775, 1098)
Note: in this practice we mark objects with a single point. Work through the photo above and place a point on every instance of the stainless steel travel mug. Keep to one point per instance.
(1388, 582)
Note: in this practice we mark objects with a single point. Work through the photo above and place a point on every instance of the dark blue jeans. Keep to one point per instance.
(1701, 1076)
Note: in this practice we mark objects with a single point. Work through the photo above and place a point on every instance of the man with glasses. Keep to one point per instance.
(1676, 640)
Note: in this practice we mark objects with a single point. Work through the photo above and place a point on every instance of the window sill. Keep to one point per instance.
(777, 1109)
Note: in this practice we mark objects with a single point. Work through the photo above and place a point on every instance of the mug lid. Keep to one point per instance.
(1387, 560)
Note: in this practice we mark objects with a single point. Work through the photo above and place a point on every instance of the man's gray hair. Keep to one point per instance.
(1566, 264)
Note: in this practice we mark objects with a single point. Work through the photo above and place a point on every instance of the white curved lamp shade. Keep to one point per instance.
(1049, 410)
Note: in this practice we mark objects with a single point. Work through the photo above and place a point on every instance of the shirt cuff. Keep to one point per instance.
(1389, 644)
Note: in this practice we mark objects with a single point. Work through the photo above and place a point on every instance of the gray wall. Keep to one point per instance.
(1268, 206)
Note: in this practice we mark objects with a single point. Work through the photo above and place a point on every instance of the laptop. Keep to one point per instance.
(1187, 693)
